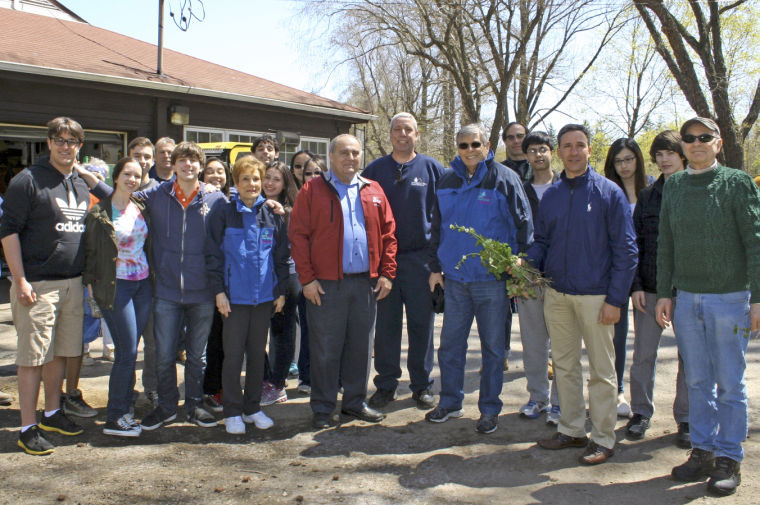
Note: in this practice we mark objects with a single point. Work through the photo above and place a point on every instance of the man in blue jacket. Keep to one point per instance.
(487, 196)
(408, 179)
(586, 246)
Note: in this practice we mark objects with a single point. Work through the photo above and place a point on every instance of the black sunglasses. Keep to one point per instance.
(704, 138)
(464, 145)
(309, 174)
(399, 173)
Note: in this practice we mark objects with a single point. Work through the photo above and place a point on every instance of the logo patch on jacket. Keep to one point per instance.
(418, 182)
(267, 236)
(484, 197)
(377, 201)
(204, 209)
(73, 212)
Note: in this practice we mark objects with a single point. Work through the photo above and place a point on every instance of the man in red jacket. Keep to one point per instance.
(343, 243)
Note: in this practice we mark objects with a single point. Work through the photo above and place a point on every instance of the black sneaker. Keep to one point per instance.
(699, 465)
(683, 437)
(382, 397)
(59, 423)
(125, 426)
(442, 414)
(424, 399)
(726, 477)
(637, 426)
(201, 417)
(156, 419)
(74, 405)
(487, 423)
(33, 442)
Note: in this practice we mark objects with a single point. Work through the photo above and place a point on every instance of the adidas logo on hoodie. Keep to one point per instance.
(73, 212)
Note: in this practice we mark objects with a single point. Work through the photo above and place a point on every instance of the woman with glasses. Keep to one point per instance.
(625, 167)
(297, 164)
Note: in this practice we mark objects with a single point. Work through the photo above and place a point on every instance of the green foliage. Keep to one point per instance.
(497, 258)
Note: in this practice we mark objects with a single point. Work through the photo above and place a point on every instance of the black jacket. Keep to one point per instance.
(521, 167)
(646, 222)
(47, 211)
(532, 196)
(102, 251)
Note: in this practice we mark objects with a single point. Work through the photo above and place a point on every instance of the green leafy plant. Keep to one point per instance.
(524, 280)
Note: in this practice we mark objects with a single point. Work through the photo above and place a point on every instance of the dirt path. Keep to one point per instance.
(402, 460)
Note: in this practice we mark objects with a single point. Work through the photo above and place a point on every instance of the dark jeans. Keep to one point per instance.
(341, 342)
(304, 364)
(126, 321)
(212, 378)
(245, 333)
(410, 290)
(508, 326)
(168, 318)
(619, 341)
(282, 344)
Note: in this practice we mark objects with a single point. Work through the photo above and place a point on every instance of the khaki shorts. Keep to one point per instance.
(53, 325)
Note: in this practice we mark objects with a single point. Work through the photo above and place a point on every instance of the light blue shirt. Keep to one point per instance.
(355, 250)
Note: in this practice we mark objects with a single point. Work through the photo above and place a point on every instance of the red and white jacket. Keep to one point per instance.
(316, 231)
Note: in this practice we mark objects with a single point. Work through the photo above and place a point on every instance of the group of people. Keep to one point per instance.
(191, 252)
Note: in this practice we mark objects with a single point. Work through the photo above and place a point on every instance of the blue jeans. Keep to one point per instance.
(126, 321)
(488, 303)
(710, 331)
(168, 319)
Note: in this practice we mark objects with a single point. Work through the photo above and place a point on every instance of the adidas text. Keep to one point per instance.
(70, 227)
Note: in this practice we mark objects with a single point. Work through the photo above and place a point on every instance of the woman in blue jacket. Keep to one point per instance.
(247, 260)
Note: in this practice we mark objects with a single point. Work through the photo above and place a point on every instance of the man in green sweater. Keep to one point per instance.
(709, 251)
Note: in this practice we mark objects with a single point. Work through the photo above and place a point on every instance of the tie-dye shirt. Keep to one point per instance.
(131, 231)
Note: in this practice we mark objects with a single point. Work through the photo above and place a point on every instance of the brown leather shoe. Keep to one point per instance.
(595, 454)
(562, 441)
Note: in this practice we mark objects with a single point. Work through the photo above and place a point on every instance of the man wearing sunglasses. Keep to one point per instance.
(480, 193)
(709, 251)
(408, 179)
(41, 230)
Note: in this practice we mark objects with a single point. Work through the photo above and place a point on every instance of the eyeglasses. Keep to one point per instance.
(703, 139)
(309, 174)
(399, 173)
(464, 145)
(65, 142)
(540, 150)
(625, 161)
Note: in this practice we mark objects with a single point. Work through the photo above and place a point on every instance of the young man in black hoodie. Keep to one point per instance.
(41, 230)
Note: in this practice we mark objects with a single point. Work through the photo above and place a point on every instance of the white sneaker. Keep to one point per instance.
(553, 415)
(234, 425)
(125, 426)
(260, 419)
(623, 409)
(532, 409)
(108, 353)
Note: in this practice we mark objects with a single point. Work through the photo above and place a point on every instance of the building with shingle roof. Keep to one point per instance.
(53, 63)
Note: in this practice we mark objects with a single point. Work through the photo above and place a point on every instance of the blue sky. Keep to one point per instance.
(253, 36)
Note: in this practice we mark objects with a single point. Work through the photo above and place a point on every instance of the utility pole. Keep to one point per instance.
(160, 63)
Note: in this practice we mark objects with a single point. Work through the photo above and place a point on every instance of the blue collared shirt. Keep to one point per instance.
(355, 249)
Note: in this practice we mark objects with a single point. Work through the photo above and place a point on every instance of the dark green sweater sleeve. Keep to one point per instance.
(747, 214)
